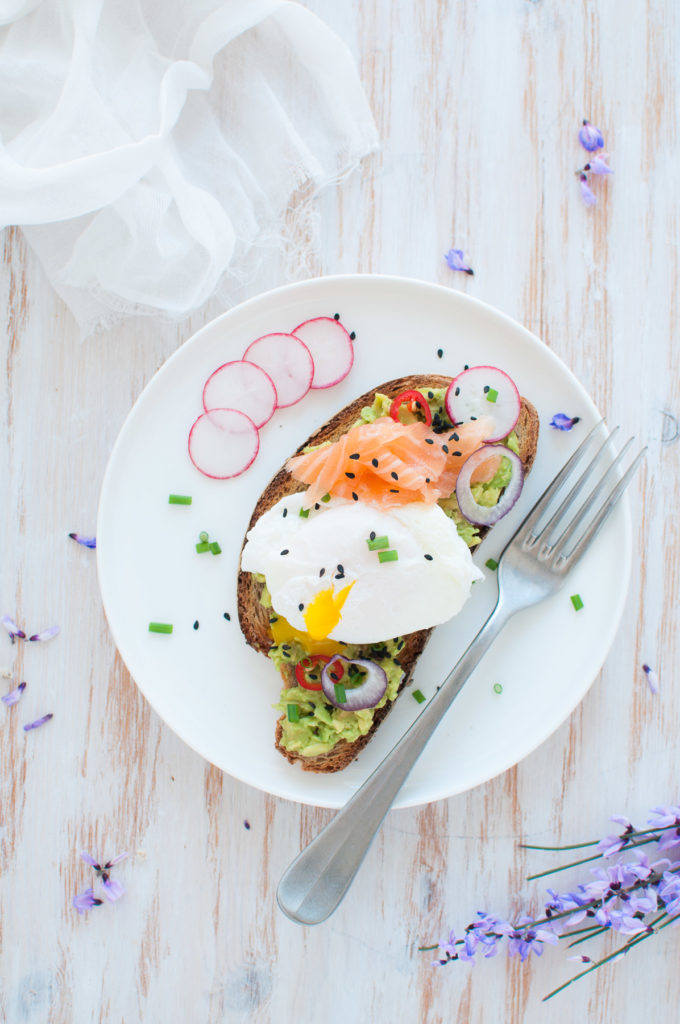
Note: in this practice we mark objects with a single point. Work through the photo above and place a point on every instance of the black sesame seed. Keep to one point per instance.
(341, 568)
(454, 437)
(445, 448)
(428, 557)
(440, 352)
(273, 619)
(372, 535)
(227, 616)
(336, 316)
(457, 392)
(427, 480)
(246, 825)
(285, 512)
(285, 647)
(374, 462)
(352, 335)
(321, 572)
(486, 389)
(394, 490)
(355, 455)
(473, 417)
(196, 624)
(428, 440)
(395, 476)
(458, 453)
(339, 575)
(285, 551)
(350, 476)
(466, 367)
(317, 506)
(355, 496)
(300, 607)
(430, 394)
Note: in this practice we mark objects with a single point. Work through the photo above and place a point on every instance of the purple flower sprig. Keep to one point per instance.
(561, 421)
(635, 898)
(113, 889)
(592, 140)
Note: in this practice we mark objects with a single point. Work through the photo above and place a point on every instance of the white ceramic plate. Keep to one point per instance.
(217, 693)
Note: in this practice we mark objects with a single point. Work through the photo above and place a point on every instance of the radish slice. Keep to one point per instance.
(479, 514)
(288, 362)
(223, 443)
(331, 347)
(243, 386)
(484, 391)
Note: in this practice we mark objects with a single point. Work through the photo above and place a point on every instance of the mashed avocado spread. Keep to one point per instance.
(320, 725)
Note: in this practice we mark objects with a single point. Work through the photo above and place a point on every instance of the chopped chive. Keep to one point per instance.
(203, 536)
(491, 563)
(326, 497)
(215, 548)
(388, 556)
(202, 546)
(303, 513)
(577, 602)
(376, 543)
(160, 627)
(293, 712)
(491, 395)
(497, 688)
(340, 694)
(419, 696)
(179, 499)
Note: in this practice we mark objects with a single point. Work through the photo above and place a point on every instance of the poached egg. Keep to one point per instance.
(327, 578)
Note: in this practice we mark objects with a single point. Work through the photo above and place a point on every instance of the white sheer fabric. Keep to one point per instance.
(149, 146)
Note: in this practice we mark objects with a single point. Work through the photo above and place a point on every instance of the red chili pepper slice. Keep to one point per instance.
(306, 663)
(410, 396)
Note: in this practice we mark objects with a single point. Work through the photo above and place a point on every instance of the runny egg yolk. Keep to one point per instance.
(324, 611)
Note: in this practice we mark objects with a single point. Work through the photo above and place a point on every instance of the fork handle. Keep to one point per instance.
(318, 878)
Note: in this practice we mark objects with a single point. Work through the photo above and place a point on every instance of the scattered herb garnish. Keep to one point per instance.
(492, 395)
(577, 602)
(160, 627)
(419, 696)
(340, 694)
(497, 688)
(293, 712)
(179, 499)
(376, 543)
(492, 564)
(388, 556)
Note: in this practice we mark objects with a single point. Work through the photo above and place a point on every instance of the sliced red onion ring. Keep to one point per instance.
(470, 395)
(358, 697)
(478, 514)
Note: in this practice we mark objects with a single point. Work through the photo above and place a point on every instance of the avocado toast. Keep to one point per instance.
(312, 731)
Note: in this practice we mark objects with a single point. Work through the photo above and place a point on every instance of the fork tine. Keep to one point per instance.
(597, 491)
(565, 562)
(568, 501)
(544, 500)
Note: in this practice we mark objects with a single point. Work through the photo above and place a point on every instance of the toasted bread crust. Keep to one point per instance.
(254, 617)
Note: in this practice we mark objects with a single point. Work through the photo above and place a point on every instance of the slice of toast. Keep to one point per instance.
(254, 617)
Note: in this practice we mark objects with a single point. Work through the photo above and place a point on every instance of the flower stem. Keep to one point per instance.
(586, 860)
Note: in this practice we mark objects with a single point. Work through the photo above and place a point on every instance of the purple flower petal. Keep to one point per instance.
(610, 845)
(561, 421)
(14, 695)
(589, 197)
(85, 900)
(652, 678)
(38, 722)
(89, 859)
(12, 628)
(590, 137)
(456, 260)
(88, 542)
(116, 860)
(598, 165)
(45, 634)
(112, 887)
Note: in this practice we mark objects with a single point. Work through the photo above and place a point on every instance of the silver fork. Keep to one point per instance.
(533, 566)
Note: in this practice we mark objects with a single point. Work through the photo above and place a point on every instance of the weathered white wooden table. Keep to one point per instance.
(478, 105)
